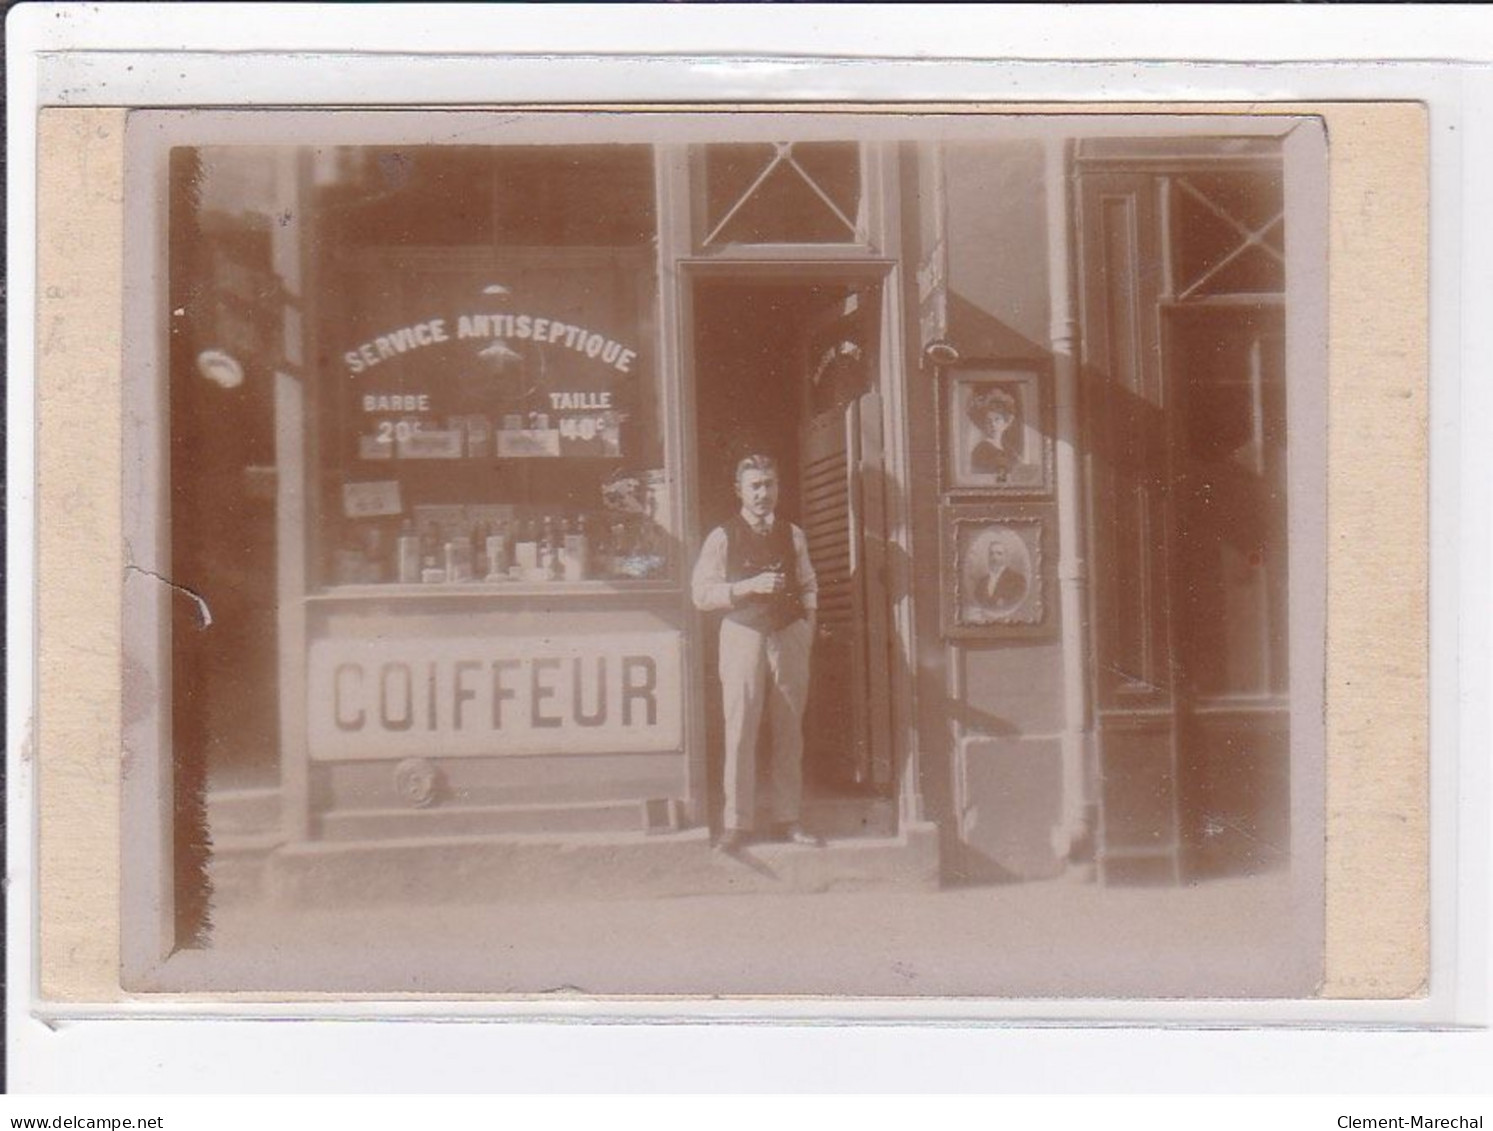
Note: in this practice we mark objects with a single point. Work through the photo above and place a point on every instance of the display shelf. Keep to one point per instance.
(488, 591)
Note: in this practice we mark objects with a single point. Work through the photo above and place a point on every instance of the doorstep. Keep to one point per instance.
(590, 866)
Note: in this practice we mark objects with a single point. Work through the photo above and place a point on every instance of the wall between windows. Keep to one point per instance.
(1005, 773)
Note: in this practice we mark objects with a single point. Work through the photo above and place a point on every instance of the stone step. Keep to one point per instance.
(843, 818)
(238, 866)
(243, 812)
(484, 869)
(490, 820)
(238, 814)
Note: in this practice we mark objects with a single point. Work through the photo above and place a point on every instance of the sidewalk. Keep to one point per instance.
(1245, 937)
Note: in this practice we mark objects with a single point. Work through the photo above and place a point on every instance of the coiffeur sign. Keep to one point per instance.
(397, 698)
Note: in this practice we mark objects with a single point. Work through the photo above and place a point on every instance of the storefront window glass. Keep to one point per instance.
(491, 410)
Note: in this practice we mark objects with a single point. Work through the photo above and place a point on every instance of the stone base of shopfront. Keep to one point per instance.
(253, 864)
(536, 867)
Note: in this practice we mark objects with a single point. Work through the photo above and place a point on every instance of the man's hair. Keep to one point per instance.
(755, 461)
(987, 398)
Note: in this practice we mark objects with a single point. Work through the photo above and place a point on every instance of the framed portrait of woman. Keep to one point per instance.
(994, 436)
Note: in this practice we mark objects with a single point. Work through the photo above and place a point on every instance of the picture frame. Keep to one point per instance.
(996, 563)
(982, 455)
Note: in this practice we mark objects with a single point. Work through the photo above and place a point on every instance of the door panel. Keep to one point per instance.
(1185, 422)
(834, 727)
(843, 508)
(1125, 424)
(870, 478)
(1126, 427)
(1228, 369)
(844, 514)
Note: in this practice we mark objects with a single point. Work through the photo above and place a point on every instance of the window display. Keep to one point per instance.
(492, 414)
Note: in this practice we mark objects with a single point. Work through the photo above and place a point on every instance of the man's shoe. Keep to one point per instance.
(797, 834)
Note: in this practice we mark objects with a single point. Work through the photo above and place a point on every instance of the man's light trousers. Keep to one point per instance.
(764, 674)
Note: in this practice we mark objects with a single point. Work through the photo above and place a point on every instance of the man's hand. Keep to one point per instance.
(768, 583)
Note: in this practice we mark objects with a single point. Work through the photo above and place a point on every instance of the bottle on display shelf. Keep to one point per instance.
(408, 553)
(577, 550)
(497, 553)
(431, 569)
(525, 549)
(458, 557)
(549, 549)
(478, 536)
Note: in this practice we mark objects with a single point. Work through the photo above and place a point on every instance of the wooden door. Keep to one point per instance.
(843, 510)
(1185, 426)
(1134, 690)
(1226, 369)
(834, 726)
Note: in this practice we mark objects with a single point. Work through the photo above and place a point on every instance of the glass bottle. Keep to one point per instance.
(408, 553)
(526, 549)
(548, 549)
(431, 569)
(458, 557)
(479, 550)
(497, 553)
(577, 550)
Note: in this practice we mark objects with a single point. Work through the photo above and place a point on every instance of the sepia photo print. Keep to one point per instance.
(725, 553)
(996, 435)
(996, 569)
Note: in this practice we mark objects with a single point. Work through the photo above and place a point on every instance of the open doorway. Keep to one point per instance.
(792, 369)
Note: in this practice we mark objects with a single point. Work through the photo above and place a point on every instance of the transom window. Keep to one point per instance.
(781, 193)
(1228, 234)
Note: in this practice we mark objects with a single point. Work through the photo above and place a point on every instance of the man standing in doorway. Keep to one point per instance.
(756, 569)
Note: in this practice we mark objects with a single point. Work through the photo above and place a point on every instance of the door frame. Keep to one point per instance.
(1301, 160)
(876, 255)
(689, 272)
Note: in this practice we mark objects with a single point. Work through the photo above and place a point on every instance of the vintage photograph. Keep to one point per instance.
(725, 553)
(995, 576)
(995, 436)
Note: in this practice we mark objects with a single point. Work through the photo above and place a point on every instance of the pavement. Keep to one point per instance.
(1245, 937)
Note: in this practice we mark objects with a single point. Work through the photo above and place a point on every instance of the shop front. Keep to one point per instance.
(1027, 403)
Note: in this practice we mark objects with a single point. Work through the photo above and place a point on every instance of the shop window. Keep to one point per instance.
(453, 196)
(780, 193)
(491, 411)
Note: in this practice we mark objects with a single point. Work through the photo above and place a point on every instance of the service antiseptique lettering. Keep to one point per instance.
(517, 327)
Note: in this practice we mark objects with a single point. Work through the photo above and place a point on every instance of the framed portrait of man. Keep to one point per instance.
(994, 438)
(995, 575)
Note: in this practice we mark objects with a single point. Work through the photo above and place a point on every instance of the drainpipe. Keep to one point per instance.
(1072, 568)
